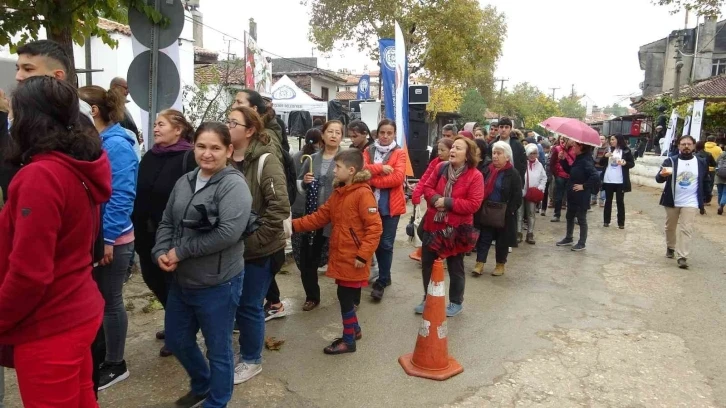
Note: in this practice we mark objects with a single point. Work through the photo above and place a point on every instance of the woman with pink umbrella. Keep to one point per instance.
(584, 178)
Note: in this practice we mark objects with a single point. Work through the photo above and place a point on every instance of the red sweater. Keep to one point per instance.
(48, 229)
(467, 195)
(419, 190)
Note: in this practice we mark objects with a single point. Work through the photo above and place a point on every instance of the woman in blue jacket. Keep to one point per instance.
(107, 108)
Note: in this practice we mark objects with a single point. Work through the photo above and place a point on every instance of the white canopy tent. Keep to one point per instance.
(288, 97)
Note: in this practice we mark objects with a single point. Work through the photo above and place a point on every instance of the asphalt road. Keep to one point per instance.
(618, 325)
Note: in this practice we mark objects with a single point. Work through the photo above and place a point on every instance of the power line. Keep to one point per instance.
(191, 19)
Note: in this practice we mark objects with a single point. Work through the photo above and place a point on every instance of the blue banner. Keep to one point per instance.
(388, 74)
(364, 87)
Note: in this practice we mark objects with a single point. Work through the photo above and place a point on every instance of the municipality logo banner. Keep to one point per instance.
(388, 75)
(364, 87)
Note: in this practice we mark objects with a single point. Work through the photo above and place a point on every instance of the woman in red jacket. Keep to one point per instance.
(444, 147)
(386, 161)
(50, 307)
(454, 193)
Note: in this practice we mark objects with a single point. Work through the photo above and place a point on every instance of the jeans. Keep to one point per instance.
(111, 283)
(560, 189)
(721, 188)
(581, 215)
(211, 310)
(594, 197)
(486, 236)
(56, 371)
(619, 191)
(457, 276)
(250, 313)
(384, 253)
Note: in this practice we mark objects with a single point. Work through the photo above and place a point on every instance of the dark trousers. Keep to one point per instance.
(543, 204)
(309, 260)
(560, 190)
(157, 280)
(348, 298)
(98, 348)
(273, 292)
(488, 235)
(457, 277)
(619, 191)
(581, 215)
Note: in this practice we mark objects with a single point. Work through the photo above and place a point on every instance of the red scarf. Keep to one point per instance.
(491, 181)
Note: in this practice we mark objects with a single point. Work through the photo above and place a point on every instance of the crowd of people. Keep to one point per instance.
(208, 212)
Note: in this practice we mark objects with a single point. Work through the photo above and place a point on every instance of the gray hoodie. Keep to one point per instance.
(210, 253)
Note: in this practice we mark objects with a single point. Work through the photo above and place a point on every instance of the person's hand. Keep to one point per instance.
(561, 156)
(608, 154)
(387, 169)
(4, 102)
(702, 211)
(621, 162)
(171, 255)
(665, 171)
(577, 187)
(358, 264)
(107, 255)
(165, 265)
(439, 203)
(309, 178)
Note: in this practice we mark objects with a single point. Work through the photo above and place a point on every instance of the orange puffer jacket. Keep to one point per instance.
(357, 228)
(392, 182)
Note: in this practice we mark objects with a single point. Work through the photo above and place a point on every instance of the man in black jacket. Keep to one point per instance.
(686, 181)
(519, 157)
(120, 85)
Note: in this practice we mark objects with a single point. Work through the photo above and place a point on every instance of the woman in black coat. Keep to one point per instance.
(616, 163)
(502, 184)
(584, 180)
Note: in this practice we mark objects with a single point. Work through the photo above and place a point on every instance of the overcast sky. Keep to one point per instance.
(554, 43)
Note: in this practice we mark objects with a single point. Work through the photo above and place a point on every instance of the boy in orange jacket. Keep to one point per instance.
(357, 228)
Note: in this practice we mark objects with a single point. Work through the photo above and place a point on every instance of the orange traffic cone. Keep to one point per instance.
(416, 255)
(430, 359)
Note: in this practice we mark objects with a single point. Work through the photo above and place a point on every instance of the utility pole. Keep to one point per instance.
(572, 93)
(553, 92)
(501, 90)
(679, 67)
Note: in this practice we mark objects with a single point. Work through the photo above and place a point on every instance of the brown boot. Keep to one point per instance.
(530, 238)
(498, 270)
(478, 269)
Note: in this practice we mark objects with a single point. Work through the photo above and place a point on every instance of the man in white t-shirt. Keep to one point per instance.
(686, 189)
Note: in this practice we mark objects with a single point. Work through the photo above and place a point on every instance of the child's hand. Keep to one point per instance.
(358, 264)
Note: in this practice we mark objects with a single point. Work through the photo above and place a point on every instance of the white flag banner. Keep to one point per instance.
(687, 125)
(697, 121)
(670, 134)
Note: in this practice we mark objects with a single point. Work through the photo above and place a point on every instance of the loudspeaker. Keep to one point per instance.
(418, 94)
(417, 113)
(419, 162)
(418, 135)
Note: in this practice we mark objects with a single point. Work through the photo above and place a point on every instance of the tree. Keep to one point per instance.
(615, 110)
(473, 106)
(570, 107)
(453, 41)
(64, 21)
(444, 98)
(212, 96)
(708, 8)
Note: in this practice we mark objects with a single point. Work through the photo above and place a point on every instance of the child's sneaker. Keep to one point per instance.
(420, 308)
(339, 347)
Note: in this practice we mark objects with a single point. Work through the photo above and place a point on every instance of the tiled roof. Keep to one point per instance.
(346, 96)
(114, 27)
(213, 73)
(713, 88)
(205, 52)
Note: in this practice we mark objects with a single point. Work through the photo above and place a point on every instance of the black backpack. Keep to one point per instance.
(290, 176)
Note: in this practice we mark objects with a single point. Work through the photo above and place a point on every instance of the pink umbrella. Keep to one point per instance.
(573, 129)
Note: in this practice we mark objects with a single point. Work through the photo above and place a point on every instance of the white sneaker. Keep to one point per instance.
(245, 371)
(323, 269)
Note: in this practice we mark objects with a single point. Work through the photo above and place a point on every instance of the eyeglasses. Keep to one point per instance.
(233, 124)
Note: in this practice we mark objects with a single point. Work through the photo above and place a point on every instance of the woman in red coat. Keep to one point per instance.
(454, 193)
(386, 162)
(50, 307)
(444, 147)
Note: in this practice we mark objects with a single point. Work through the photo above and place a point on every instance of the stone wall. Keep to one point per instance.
(643, 174)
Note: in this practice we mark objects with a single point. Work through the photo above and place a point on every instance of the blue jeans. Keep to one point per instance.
(384, 253)
(721, 188)
(602, 190)
(251, 313)
(211, 310)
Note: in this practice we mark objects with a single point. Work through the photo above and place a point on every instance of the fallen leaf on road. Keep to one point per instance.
(272, 343)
